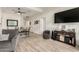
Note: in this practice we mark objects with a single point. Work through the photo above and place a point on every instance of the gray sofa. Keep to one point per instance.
(10, 44)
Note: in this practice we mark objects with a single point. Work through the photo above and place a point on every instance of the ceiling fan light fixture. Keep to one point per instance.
(18, 13)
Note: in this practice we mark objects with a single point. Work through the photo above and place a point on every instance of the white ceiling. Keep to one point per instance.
(29, 11)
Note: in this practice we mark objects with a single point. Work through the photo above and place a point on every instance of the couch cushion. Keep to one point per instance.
(5, 44)
(11, 33)
(5, 37)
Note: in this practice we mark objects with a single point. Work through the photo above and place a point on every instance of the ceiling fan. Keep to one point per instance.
(19, 11)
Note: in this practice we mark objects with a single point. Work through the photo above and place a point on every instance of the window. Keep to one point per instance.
(12, 23)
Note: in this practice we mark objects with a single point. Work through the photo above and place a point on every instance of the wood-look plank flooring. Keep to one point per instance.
(35, 43)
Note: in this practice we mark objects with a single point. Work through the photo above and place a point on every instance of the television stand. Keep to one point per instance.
(65, 37)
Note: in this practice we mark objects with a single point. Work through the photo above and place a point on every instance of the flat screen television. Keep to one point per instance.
(68, 16)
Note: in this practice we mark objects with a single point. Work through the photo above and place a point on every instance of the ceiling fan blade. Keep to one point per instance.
(18, 11)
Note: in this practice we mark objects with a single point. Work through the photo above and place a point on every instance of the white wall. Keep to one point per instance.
(3, 20)
(37, 28)
(6, 16)
(14, 16)
(0, 21)
(49, 17)
(27, 23)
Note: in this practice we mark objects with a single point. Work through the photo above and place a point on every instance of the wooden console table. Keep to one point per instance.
(65, 37)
